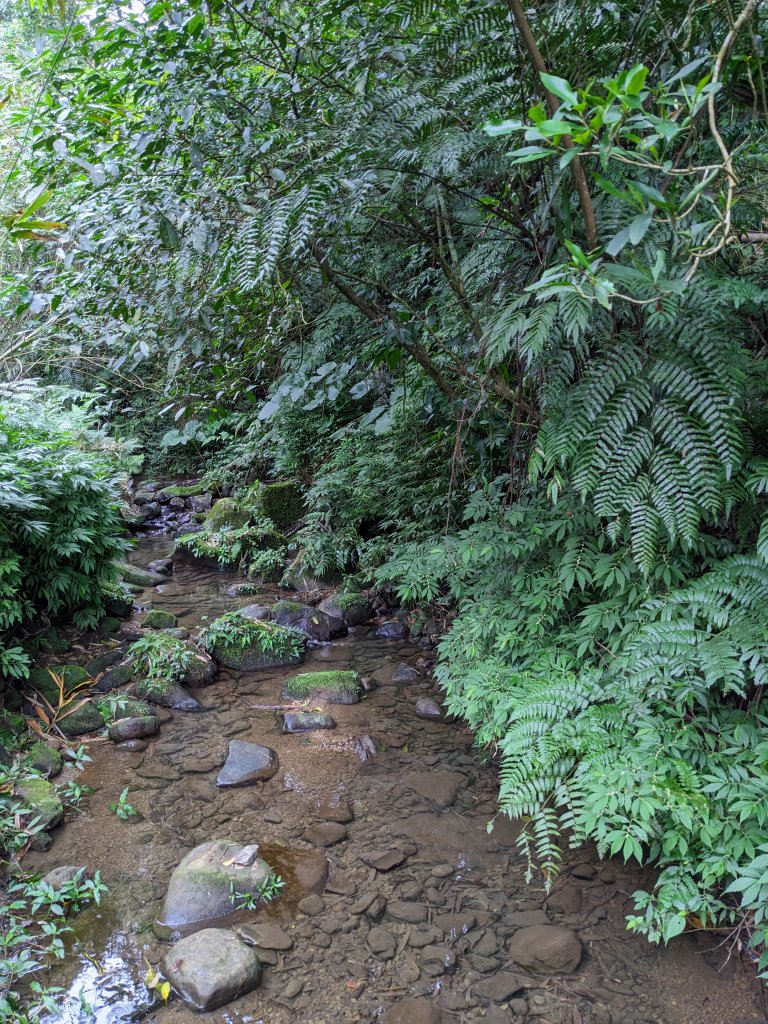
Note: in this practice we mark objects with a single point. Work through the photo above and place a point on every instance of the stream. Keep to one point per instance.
(422, 904)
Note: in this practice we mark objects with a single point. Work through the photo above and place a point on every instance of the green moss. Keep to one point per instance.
(226, 512)
(83, 719)
(347, 601)
(108, 626)
(41, 680)
(139, 577)
(44, 759)
(288, 606)
(159, 619)
(42, 801)
(182, 492)
(240, 642)
(281, 502)
(112, 708)
(343, 683)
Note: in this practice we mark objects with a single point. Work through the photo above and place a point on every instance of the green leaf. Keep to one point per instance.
(169, 236)
(560, 88)
(639, 227)
(494, 128)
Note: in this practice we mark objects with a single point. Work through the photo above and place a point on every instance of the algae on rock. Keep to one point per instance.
(337, 687)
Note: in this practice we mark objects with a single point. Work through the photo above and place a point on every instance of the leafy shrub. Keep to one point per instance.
(160, 661)
(239, 632)
(59, 521)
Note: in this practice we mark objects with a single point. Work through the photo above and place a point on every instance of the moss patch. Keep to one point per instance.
(44, 759)
(337, 687)
(281, 502)
(181, 491)
(226, 512)
(159, 619)
(123, 707)
(84, 719)
(42, 800)
(42, 681)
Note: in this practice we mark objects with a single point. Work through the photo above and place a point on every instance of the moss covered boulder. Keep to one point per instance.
(281, 502)
(42, 680)
(113, 708)
(340, 687)
(313, 623)
(199, 887)
(114, 677)
(82, 719)
(239, 642)
(159, 619)
(227, 513)
(166, 694)
(139, 577)
(179, 491)
(40, 800)
(44, 759)
(352, 608)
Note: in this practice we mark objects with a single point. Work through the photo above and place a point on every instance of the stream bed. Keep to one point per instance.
(423, 907)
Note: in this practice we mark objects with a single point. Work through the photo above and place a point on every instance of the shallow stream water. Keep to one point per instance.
(423, 797)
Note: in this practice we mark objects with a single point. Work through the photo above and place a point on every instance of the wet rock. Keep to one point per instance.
(325, 834)
(425, 937)
(437, 960)
(381, 943)
(273, 817)
(546, 949)
(414, 1010)
(336, 809)
(311, 905)
(584, 871)
(173, 696)
(410, 913)
(200, 502)
(104, 661)
(237, 589)
(313, 623)
(133, 746)
(255, 653)
(162, 565)
(140, 577)
(525, 918)
(143, 497)
(393, 630)
(456, 924)
(260, 612)
(211, 968)
(566, 900)
(305, 721)
(84, 719)
(405, 673)
(44, 759)
(352, 608)
(428, 708)
(441, 788)
(66, 873)
(293, 989)
(179, 633)
(133, 728)
(119, 607)
(41, 800)
(247, 763)
(160, 619)
(500, 987)
(199, 887)
(336, 687)
(267, 936)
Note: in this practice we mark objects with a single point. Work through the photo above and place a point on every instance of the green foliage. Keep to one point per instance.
(239, 632)
(269, 890)
(122, 808)
(59, 525)
(160, 661)
(255, 545)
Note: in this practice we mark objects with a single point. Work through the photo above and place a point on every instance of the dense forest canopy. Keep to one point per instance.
(489, 281)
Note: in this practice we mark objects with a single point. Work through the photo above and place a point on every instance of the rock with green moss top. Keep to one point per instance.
(138, 728)
(139, 577)
(108, 626)
(83, 719)
(339, 687)
(353, 609)
(44, 759)
(41, 680)
(166, 694)
(104, 661)
(180, 491)
(124, 706)
(227, 513)
(312, 622)
(51, 641)
(159, 619)
(114, 677)
(209, 550)
(281, 502)
(244, 589)
(296, 577)
(245, 644)
(41, 801)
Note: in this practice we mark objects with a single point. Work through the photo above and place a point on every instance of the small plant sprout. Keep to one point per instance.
(154, 982)
(267, 891)
(122, 808)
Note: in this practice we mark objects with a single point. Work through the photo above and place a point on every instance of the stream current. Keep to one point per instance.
(433, 930)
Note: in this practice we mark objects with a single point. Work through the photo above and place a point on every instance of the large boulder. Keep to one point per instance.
(247, 763)
(211, 968)
(339, 687)
(199, 889)
(546, 949)
(353, 609)
(158, 618)
(226, 513)
(239, 642)
(83, 719)
(281, 502)
(313, 623)
(140, 577)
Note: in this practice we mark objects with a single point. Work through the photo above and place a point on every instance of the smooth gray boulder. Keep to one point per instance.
(313, 623)
(211, 968)
(199, 887)
(247, 763)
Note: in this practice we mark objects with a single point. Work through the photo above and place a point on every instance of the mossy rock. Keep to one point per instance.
(114, 677)
(159, 619)
(312, 622)
(261, 645)
(227, 513)
(353, 609)
(104, 661)
(44, 759)
(117, 606)
(338, 687)
(282, 502)
(108, 626)
(212, 551)
(123, 707)
(51, 641)
(139, 577)
(83, 719)
(40, 679)
(41, 800)
(180, 491)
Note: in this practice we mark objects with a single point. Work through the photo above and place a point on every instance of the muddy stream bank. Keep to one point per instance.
(423, 912)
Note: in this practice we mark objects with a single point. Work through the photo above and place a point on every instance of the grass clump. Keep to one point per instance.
(160, 660)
